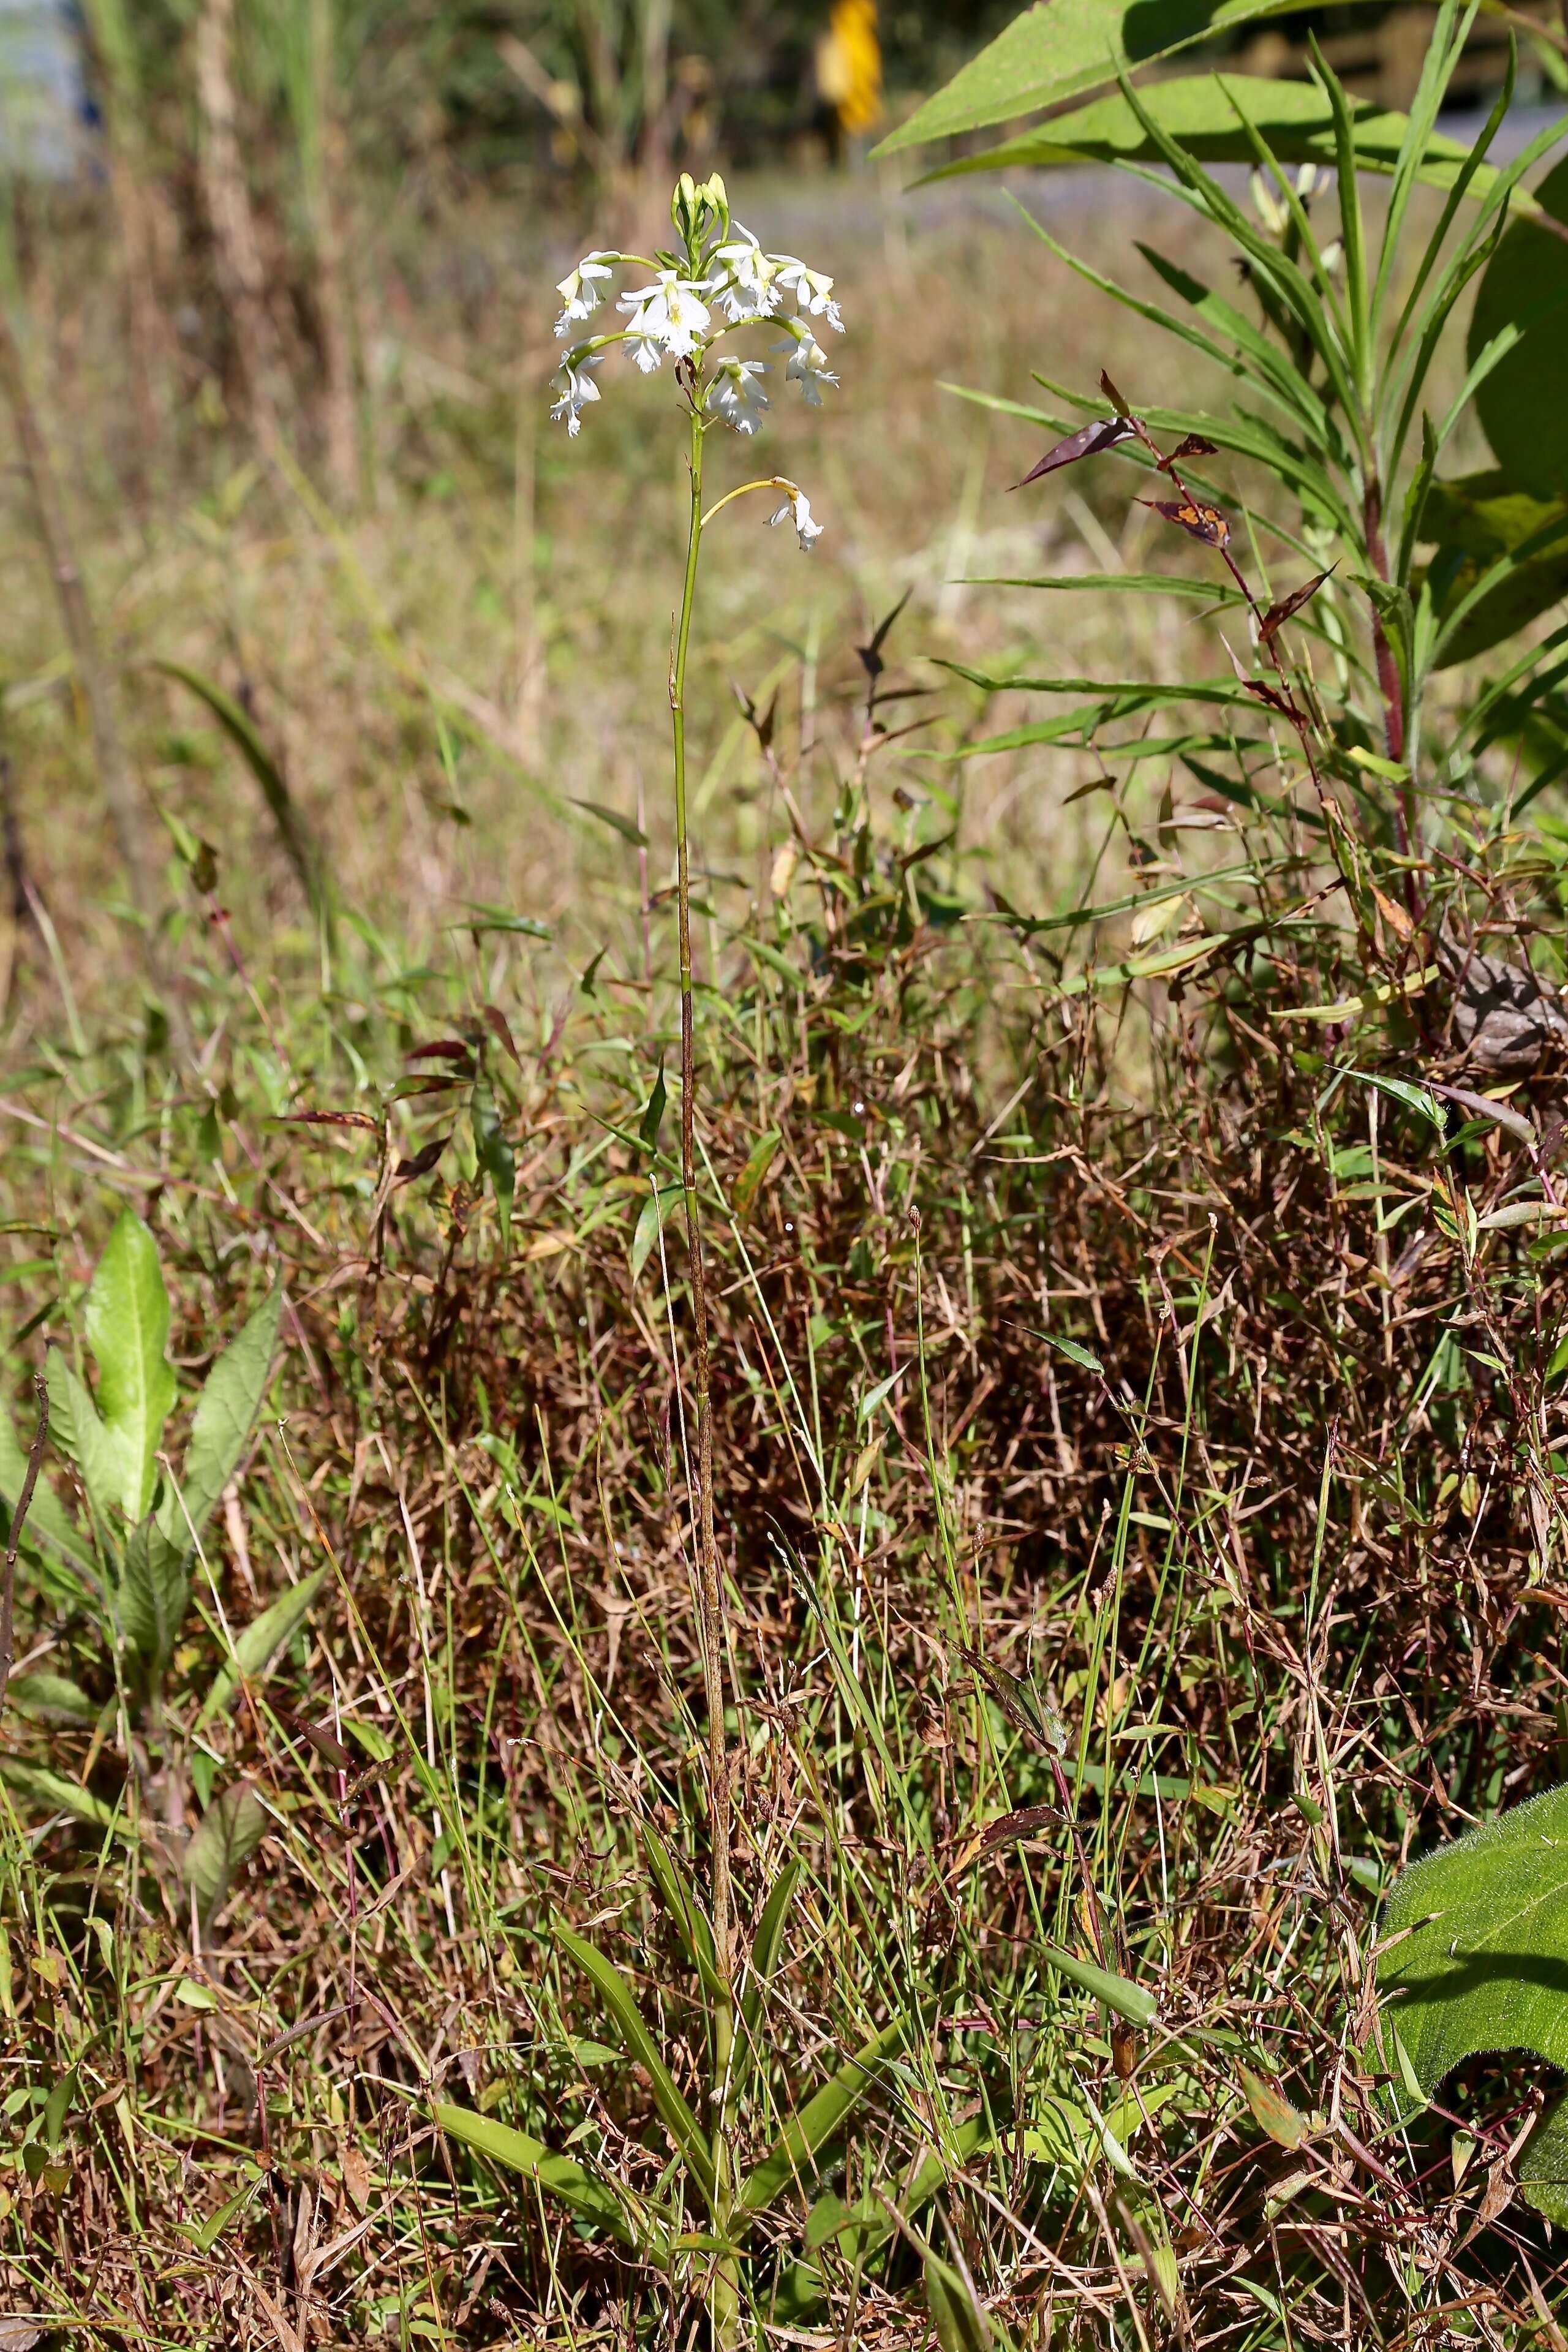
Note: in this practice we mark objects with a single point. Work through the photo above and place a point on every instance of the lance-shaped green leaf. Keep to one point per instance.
(1129, 2000)
(261, 1642)
(153, 1595)
(128, 1331)
(858, 2232)
(813, 2126)
(639, 2044)
(1484, 1965)
(765, 1944)
(222, 1424)
(225, 1837)
(45, 1697)
(49, 1523)
(1059, 49)
(960, 2324)
(1296, 118)
(76, 1429)
(59, 1795)
(680, 1900)
(514, 2151)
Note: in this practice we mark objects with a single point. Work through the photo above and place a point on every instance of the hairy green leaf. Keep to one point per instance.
(225, 1837)
(261, 1641)
(1502, 561)
(46, 1515)
(153, 1594)
(53, 1791)
(76, 1429)
(1484, 1965)
(128, 1331)
(46, 1697)
(220, 1428)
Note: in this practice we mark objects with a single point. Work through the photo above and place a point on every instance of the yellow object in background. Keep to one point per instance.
(850, 66)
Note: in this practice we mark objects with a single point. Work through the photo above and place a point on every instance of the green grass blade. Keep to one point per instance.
(813, 2126)
(639, 2044)
(514, 2151)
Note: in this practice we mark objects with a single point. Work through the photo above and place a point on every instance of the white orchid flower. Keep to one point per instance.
(748, 291)
(796, 508)
(807, 364)
(813, 291)
(578, 391)
(668, 316)
(734, 395)
(582, 292)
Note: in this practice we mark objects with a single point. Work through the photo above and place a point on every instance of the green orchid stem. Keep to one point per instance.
(763, 482)
(724, 2295)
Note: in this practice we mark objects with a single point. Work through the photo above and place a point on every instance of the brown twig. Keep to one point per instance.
(18, 1521)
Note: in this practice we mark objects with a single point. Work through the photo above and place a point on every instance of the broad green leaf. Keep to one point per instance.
(153, 1594)
(62, 1796)
(1059, 49)
(1272, 2111)
(48, 1520)
(1500, 539)
(76, 1429)
(46, 1697)
(1484, 1965)
(260, 1643)
(1200, 111)
(1520, 403)
(128, 1331)
(225, 1837)
(221, 1425)
(514, 2151)
(1129, 2000)
(639, 2044)
(810, 2129)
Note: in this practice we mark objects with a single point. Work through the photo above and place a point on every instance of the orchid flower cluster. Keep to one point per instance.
(718, 283)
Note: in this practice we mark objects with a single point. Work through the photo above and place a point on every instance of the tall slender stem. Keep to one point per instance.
(712, 1613)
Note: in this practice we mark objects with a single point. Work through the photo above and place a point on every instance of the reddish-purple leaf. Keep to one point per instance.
(442, 1049)
(407, 1171)
(1277, 615)
(1086, 442)
(1194, 445)
(498, 1024)
(1202, 523)
(1122, 407)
